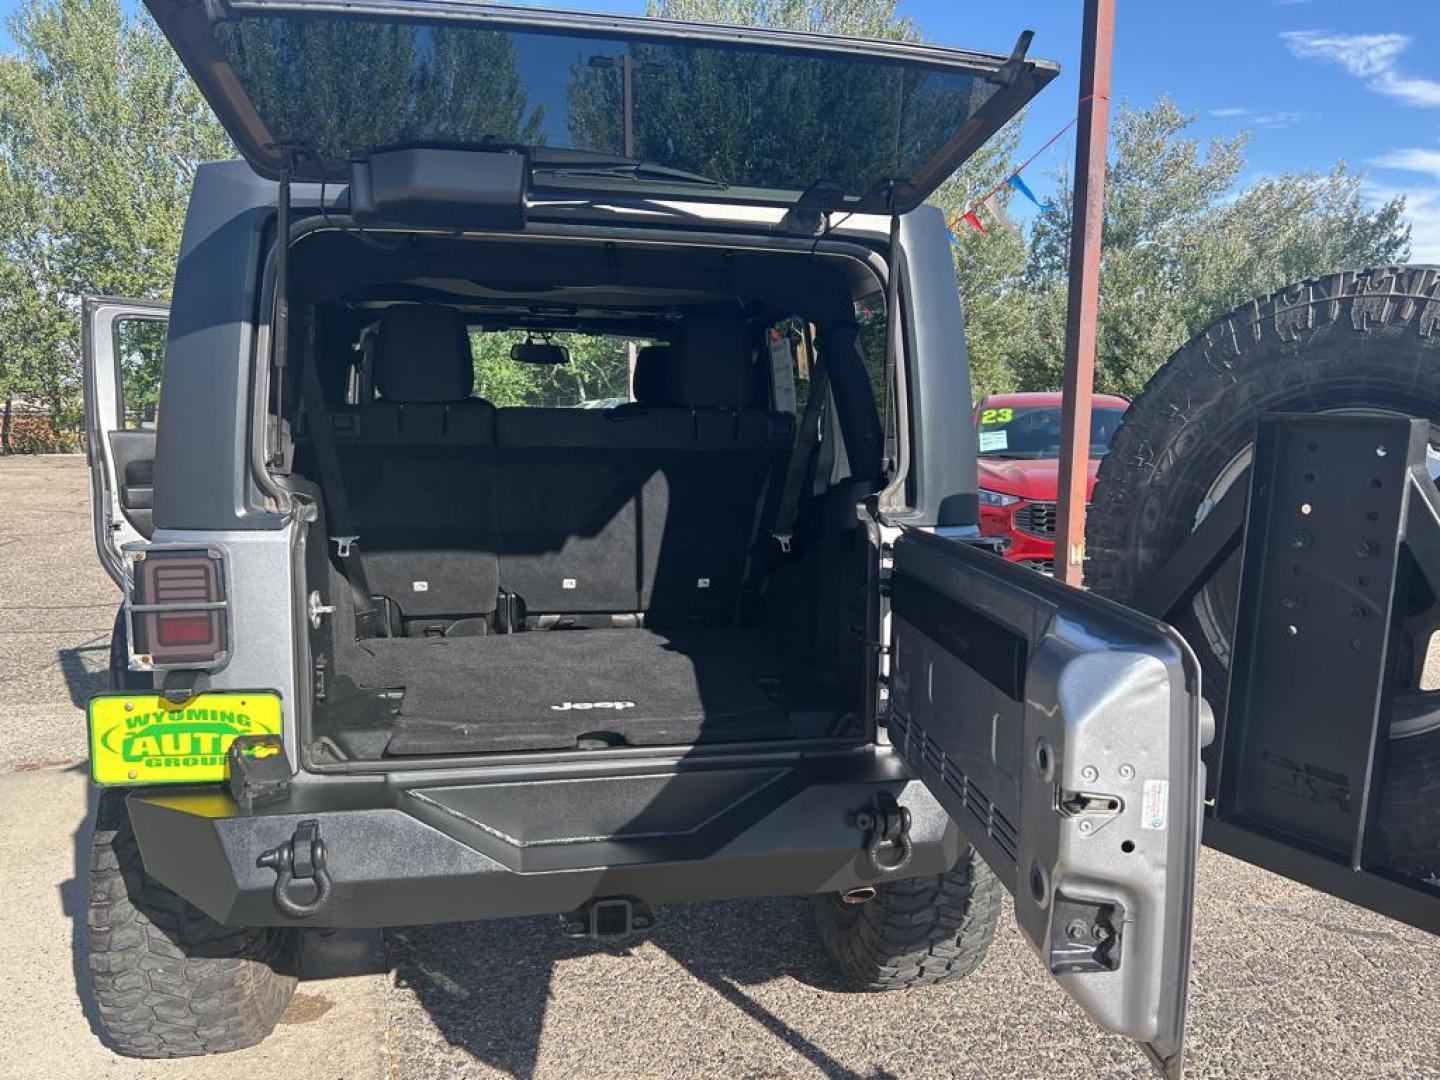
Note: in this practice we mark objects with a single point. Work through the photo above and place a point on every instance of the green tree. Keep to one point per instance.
(988, 269)
(1182, 245)
(857, 18)
(599, 370)
(100, 133)
(336, 86)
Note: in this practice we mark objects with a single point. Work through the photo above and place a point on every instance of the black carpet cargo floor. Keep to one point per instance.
(559, 689)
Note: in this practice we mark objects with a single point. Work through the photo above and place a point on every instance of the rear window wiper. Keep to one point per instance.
(636, 170)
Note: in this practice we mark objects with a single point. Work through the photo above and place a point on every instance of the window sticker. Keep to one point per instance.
(992, 440)
(782, 371)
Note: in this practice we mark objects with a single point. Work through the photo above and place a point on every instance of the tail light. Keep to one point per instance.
(177, 608)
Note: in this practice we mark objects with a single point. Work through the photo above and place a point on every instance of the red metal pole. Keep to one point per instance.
(1086, 223)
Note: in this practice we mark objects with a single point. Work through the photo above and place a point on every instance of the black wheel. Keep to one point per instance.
(170, 981)
(1366, 341)
(914, 932)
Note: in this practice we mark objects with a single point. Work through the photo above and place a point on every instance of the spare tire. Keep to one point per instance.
(1360, 341)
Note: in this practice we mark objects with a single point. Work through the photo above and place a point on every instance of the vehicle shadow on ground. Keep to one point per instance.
(75, 902)
(494, 1007)
(86, 669)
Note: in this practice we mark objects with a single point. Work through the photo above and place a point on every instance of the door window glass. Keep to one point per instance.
(139, 351)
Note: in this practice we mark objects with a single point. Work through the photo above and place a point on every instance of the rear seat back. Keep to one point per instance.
(650, 506)
(569, 484)
(707, 496)
(419, 467)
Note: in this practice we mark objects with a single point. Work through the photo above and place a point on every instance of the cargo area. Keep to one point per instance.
(592, 565)
(595, 688)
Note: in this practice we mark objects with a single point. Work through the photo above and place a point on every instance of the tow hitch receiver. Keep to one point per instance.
(607, 917)
(302, 885)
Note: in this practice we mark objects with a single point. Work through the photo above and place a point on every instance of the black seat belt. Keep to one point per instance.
(807, 438)
(332, 479)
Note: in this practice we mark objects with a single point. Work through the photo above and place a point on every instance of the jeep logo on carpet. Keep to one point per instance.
(566, 706)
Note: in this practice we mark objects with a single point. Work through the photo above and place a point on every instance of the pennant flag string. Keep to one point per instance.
(1024, 189)
(997, 211)
(1013, 179)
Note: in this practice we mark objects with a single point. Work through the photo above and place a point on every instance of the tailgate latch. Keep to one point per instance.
(302, 885)
(1084, 936)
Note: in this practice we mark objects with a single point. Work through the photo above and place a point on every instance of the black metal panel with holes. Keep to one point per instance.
(1303, 734)
(1317, 592)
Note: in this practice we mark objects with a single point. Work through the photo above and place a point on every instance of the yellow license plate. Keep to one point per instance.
(143, 739)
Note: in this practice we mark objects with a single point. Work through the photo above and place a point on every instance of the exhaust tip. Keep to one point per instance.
(859, 895)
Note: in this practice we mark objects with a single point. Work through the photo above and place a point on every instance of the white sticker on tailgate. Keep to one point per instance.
(1153, 806)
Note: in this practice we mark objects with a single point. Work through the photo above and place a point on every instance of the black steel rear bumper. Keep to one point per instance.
(403, 852)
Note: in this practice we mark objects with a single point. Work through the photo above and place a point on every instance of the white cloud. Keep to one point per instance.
(1412, 90)
(1411, 159)
(1422, 212)
(1422, 196)
(1367, 56)
(1364, 55)
(1282, 118)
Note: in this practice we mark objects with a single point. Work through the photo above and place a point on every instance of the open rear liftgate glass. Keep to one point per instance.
(1340, 538)
(640, 107)
(1062, 732)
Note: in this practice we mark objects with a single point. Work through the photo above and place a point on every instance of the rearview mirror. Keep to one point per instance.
(539, 352)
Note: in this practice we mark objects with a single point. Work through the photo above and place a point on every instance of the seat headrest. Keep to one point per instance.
(422, 354)
(712, 368)
(650, 383)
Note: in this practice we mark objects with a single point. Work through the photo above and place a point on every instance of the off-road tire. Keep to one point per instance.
(169, 981)
(914, 932)
(1365, 339)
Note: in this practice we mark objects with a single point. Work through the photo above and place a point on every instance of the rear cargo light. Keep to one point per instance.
(177, 608)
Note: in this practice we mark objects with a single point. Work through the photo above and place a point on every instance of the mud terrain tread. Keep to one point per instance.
(169, 981)
(915, 932)
(1354, 339)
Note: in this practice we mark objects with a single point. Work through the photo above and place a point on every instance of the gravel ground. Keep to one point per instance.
(1286, 982)
(56, 607)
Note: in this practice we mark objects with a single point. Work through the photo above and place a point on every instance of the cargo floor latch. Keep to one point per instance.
(302, 885)
(886, 825)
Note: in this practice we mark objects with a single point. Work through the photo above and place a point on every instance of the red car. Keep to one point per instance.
(1019, 437)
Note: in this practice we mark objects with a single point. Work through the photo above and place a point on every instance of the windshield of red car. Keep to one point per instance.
(1033, 432)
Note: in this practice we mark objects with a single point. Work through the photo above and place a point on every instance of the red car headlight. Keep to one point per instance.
(997, 498)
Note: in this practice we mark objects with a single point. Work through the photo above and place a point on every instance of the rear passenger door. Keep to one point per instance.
(1062, 732)
(124, 344)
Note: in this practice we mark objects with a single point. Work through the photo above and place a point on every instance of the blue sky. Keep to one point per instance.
(1313, 80)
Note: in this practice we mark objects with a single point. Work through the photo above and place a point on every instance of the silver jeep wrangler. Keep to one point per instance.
(562, 499)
